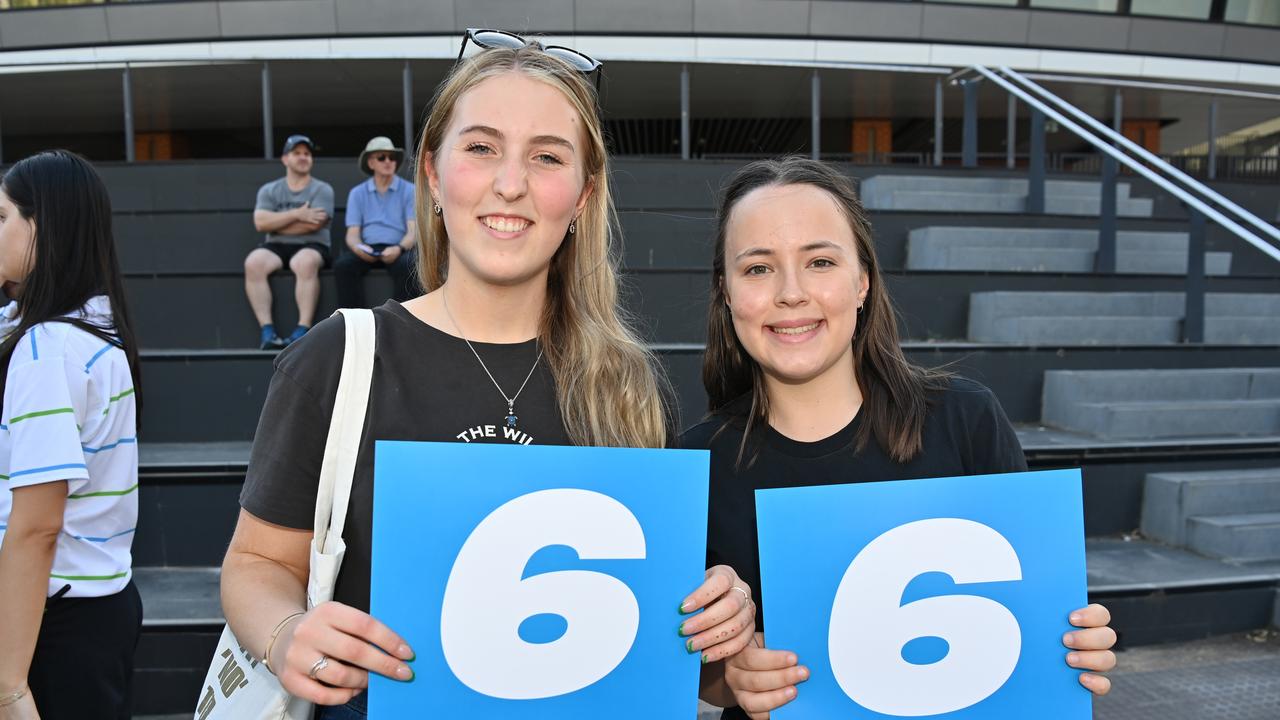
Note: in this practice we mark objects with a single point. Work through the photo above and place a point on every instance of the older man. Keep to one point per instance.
(294, 212)
(380, 227)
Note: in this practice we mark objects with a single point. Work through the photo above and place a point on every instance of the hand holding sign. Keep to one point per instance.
(539, 581)
(946, 608)
(728, 621)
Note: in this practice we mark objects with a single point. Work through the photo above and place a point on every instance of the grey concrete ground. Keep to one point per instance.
(1233, 677)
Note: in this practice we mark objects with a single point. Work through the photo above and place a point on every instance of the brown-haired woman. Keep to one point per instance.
(808, 386)
(519, 335)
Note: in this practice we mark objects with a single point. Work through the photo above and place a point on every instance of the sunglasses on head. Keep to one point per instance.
(489, 39)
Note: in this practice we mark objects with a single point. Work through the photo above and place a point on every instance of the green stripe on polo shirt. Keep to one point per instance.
(115, 398)
(104, 493)
(117, 576)
(40, 413)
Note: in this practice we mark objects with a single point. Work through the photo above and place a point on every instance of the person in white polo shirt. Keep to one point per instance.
(70, 616)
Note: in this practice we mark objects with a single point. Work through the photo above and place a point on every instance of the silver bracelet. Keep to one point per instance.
(266, 657)
(13, 697)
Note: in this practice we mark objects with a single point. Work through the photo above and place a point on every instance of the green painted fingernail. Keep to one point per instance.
(704, 659)
(680, 630)
(682, 610)
(689, 646)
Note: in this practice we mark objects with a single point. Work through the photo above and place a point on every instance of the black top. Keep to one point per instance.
(427, 386)
(966, 433)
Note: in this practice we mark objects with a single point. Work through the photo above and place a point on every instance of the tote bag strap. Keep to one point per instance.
(346, 427)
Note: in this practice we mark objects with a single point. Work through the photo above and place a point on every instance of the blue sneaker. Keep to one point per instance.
(269, 339)
(296, 335)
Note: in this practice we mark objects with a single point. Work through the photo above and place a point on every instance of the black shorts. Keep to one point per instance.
(286, 251)
(82, 668)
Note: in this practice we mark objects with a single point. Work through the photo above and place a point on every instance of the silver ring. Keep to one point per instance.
(745, 596)
(319, 665)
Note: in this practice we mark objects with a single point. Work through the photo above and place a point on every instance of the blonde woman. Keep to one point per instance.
(518, 339)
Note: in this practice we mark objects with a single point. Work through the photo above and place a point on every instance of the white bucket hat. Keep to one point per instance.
(377, 145)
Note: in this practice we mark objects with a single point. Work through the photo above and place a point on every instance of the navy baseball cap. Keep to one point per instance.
(295, 140)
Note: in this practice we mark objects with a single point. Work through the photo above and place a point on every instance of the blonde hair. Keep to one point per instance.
(607, 385)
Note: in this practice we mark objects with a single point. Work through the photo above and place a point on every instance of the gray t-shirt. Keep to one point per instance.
(276, 196)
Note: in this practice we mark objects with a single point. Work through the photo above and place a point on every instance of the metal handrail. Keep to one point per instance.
(1140, 168)
(1145, 154)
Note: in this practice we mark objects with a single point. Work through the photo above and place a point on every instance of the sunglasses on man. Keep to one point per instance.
(489, 39)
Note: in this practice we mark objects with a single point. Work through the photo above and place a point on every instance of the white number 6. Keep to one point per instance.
(870, 625)
(485, 600)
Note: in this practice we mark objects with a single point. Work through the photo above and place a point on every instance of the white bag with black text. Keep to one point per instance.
(238, 686)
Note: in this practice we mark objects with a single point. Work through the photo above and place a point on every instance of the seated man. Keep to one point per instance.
(380, 227)
(294, 212)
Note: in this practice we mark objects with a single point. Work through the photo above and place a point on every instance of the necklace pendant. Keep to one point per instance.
(512, 419)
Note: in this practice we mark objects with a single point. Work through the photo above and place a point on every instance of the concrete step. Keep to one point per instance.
(1063, 387)
(1168, 304)
(995, 195)
(1169, 419)
(210, 311)
(218, 241)
(1242, 330)
(1252, 537)
(976, 202)
(1050, 250)
(1170, 498)
(1078, 330)
(1083, 318)
(992, 185)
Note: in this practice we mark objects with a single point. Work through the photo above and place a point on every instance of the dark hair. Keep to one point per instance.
(75, 255)
(895, 393)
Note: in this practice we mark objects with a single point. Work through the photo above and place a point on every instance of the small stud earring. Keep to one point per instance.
(437, 209)
(573, 226)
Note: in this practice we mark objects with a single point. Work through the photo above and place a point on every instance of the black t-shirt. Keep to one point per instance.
(965, 433)
(427, 386)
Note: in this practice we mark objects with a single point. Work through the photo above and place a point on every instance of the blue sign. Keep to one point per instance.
(537, 581)
(941, 598)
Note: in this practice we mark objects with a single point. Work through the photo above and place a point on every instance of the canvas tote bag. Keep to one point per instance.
(238, 686)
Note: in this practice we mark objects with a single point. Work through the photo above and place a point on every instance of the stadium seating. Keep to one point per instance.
(1087, 365)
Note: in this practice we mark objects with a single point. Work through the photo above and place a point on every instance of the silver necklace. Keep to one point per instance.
(511, 418)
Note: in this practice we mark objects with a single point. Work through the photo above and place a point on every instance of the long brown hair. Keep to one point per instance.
(74, 254)
(607, 384)
(895, 393)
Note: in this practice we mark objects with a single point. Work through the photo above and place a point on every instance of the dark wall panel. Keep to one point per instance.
(624, 16)
(782, 17)
(278, 18)
(841, 18)
(59, 27)
(1173, 37)
(210, 20)
(372, 17)
(524, 16)
(162, 22)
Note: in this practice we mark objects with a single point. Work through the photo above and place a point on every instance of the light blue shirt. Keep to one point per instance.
(383, 217)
